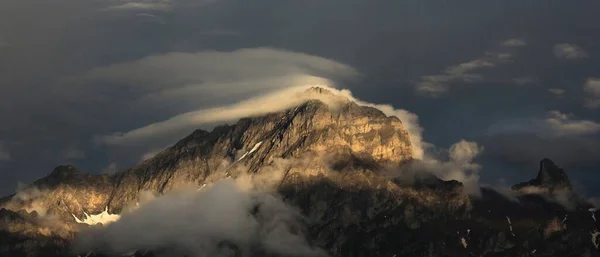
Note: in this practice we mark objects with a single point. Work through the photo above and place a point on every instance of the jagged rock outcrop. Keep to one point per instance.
(550, 177)
(329, 157)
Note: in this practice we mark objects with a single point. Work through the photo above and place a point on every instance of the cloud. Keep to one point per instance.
(559, 136)
(73, 153)
(438, 84)
(4, 153)
(564, 124)
(27, 198)
(557, 91)
(514, 42)
(110, 169)
(525, 80)
(271, 102)
(269, 79)
(222, 217)
(163, 6)
(455, 163)
(592, 90)
(569, 51)
(435, 85)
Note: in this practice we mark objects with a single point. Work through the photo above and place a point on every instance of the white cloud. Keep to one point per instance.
(4, 153)
(564, 124)
(557, 91)
(457, 165)
(514, 42)
(198, 223)
(214, 82)
(569, 51)
(592, 90)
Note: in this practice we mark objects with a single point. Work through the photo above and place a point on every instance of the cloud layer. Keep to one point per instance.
(223, 217)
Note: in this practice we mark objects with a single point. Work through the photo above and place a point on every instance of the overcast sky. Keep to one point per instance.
(521, 78)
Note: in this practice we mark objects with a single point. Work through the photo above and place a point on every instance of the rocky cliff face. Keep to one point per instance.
(329, 156)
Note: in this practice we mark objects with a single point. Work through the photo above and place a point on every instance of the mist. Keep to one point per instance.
(227, 216)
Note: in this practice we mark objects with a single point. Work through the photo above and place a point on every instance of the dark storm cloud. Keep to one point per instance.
(51, 118)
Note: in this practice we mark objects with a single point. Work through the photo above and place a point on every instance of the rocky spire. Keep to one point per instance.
(550, 177)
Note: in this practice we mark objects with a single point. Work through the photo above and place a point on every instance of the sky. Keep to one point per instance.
(520, 78)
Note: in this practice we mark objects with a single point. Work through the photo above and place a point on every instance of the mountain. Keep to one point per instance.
(328, 158)
(550, 177)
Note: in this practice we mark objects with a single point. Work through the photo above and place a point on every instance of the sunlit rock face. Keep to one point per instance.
(339, 128)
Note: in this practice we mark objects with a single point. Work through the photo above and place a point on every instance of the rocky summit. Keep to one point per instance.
(328, 161)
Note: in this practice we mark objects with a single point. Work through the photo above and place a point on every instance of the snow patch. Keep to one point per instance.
(510, 225)
(565, 219)
(130, 253)
(534, 250)
(593, 211)
(103, 217)
(595, 235)
(87, 255)
(256, 146)
(463, 241)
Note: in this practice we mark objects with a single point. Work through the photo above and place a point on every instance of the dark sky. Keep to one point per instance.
(520, 78)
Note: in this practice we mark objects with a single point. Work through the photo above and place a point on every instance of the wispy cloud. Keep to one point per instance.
(140, 6)
(559, 92)
(436, 85)
(592, 90)
(569, 51)
(265, 77)
(526, 80)
(566, 124)
(514, 42)
(235, 220)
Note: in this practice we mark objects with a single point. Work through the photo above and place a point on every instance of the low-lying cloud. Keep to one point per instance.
(456, 163)
(225, 217)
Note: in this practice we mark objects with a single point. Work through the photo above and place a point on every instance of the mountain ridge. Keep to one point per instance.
(325, 158)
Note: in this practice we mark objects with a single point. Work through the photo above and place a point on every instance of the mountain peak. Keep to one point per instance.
(319, 90)
(550, 176)
(64, 170)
